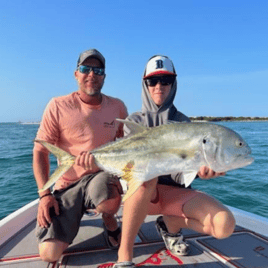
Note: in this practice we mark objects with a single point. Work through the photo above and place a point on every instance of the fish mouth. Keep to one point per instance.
(250, 159)
(245, 160)
(239, 161)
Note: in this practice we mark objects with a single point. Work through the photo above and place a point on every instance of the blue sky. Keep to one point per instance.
(219, 49)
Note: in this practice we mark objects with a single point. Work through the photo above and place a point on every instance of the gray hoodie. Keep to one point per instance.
(152, 116)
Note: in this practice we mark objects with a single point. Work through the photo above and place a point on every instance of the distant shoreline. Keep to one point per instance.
(193, 119)
(29, 123)
(227, 119)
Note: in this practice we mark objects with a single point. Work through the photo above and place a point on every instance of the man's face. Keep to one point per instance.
(91, 84)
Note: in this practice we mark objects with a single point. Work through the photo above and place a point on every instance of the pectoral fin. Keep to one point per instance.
(188, 177)
(130, 176)
(133, 186)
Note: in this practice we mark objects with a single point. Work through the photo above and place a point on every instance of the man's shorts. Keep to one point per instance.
(87, 193)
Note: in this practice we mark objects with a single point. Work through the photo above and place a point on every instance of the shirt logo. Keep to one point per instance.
(109, 125)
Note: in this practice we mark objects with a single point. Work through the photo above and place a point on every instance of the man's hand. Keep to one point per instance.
(43, 215)
(87, 161)
(207, 173)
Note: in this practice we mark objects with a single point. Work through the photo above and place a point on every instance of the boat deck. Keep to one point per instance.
(244, 248)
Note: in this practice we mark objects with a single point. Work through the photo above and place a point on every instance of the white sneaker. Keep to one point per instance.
(125, 264)
(173, 242)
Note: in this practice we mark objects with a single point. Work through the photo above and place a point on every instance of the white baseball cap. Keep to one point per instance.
(159, 65)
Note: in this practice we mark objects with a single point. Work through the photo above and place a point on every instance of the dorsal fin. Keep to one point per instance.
(133, 126)
(169, 122)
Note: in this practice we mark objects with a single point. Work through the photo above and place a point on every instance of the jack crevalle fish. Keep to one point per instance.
(166, 149)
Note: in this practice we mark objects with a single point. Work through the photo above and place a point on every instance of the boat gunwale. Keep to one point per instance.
(17, 221)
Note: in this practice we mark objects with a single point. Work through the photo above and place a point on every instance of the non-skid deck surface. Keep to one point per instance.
(242, 249)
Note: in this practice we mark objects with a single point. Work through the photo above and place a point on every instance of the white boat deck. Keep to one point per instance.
(245, 248)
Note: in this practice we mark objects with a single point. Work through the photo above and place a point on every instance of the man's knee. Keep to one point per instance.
(110, 206)
(51, 250)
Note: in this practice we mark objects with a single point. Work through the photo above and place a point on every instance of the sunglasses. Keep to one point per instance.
(164, 80)
(87, 69)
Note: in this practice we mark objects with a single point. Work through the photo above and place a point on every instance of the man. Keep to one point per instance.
(82, 120)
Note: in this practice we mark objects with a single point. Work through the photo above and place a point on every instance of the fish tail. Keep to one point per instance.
(66, 162)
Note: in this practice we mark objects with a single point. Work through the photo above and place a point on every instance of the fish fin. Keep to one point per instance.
(176, 122)
(66, 161)
(133, 186)
(133, 126)
(130, 175)
(188, 177)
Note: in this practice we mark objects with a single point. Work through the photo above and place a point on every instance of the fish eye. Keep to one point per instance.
(204, 141)
(240, 144)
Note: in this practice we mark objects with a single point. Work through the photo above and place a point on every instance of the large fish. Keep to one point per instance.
(166, 149)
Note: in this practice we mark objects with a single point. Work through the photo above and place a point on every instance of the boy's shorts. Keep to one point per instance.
(73, 201)
(170, 200)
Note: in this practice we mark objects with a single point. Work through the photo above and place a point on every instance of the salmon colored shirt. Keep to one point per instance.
(76, 126)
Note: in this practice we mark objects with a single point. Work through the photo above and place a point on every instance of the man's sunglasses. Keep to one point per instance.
(164, 80)
(87, 69)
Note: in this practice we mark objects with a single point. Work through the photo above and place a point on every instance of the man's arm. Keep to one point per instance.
(47, 201)
(87, 161)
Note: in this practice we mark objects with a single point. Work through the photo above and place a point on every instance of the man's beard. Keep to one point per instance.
(95, 91)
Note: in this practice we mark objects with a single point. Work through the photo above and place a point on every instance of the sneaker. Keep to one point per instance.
(173, 242)
(125, 264)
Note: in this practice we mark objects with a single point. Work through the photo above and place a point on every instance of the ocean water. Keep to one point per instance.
(245, 188)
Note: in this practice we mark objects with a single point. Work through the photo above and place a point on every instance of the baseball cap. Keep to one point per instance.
(94, 53)
(159, 65)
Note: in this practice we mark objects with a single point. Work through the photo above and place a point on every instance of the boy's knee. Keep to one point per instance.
(151, 184)
(224, 224)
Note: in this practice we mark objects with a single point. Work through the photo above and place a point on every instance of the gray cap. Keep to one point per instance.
(94, 53)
